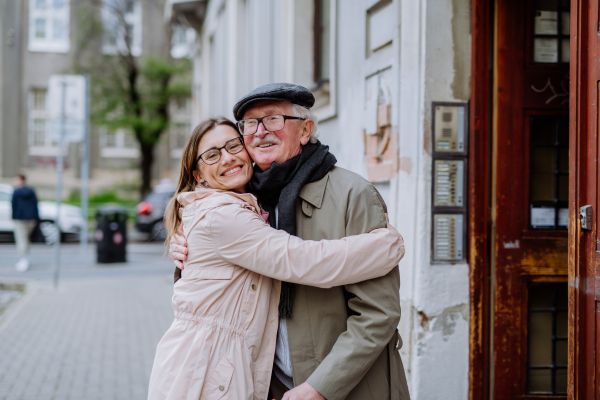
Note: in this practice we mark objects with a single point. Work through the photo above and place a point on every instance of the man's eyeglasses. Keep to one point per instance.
(272, 123)
(212, 156)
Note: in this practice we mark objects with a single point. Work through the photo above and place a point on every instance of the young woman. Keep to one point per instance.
(222, 342)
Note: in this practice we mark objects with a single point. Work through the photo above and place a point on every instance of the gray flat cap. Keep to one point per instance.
(275, 91)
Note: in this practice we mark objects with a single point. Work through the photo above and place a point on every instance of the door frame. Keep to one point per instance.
(583, 189)
(480, 227)
(480, 112)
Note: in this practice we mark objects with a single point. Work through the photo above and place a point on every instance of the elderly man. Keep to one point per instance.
(338, 343)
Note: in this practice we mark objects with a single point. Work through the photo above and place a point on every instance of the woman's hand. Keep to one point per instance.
(178, 250)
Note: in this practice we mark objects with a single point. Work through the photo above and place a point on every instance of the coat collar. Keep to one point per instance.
(314, 192)
(217, 196)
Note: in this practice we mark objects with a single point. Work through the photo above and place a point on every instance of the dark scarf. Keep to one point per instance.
(280, 185)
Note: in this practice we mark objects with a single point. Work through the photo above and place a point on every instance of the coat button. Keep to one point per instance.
(253, 286)
(221, 388)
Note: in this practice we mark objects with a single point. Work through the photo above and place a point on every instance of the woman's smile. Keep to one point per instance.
(232, 171)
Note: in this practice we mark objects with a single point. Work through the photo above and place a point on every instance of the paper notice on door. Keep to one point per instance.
(542, 217)
(546, 23)
(545, 50)
(563, 218)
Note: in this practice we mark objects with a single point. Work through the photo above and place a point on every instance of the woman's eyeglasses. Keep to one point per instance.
(213, 155)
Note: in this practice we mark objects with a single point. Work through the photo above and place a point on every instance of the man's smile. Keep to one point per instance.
(265, 145)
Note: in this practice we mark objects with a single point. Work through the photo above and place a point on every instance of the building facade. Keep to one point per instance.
(375, 68)
(477, 122)
(40, 38)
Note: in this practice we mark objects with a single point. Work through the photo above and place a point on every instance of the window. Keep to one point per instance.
(180, 129)
(547, 355)
(549, 172)
(49, 26)
(38, 137)
(118, 144)
(551, 31)
(322, 40)
(122, 21)
(324, 58)
(182, 41)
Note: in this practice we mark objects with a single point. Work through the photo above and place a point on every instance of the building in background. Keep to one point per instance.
(39, 39)
(375, 68)
(458, 112)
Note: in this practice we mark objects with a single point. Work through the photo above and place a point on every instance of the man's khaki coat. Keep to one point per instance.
(343, 341)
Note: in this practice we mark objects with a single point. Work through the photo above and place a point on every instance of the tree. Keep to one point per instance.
(128, 91)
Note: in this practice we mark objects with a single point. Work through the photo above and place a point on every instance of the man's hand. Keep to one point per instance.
(302, 392)
(178, 250)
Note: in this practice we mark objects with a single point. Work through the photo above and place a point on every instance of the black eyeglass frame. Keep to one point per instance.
(241, 140)
(260, 121)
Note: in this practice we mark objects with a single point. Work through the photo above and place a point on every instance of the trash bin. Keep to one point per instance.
(111, 234)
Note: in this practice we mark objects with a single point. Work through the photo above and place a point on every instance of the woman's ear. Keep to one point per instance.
(197, 176)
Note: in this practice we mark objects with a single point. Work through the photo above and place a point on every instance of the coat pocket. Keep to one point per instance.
(219, 380)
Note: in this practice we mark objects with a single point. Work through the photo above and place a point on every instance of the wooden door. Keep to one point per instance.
(530, 200)
(584, 245)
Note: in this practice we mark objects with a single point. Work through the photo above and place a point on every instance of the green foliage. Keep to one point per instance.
(128, 92)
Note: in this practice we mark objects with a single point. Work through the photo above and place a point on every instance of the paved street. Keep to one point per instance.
(94, 337)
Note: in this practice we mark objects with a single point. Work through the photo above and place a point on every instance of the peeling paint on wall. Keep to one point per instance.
(462, 50)
(446, 321)
(406, 164)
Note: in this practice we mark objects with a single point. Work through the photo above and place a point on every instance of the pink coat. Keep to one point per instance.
(222, 342)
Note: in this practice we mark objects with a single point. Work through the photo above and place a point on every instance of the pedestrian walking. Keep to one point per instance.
(25, 214)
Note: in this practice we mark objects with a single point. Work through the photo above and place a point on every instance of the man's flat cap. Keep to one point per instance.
(275, 91)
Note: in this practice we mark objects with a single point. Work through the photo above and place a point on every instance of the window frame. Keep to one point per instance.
(49, 14)
(121, 149)
(183, 50)
(132, 18)
(180, 116)
(325, 90)
(49, 148)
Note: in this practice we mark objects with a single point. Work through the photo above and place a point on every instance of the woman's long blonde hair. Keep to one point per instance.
(187, 182)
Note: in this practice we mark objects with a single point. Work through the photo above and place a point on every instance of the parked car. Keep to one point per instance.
(70, 220)
(151, 210)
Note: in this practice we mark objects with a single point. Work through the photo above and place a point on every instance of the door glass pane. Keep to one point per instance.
(548, 172)
(562, 324)
(565, 51)
(547, 352)
(542, 174)
(566, 23)
(546, 5)
(540, 339)
(540, 381)
(563, 132)
(563, 188)
(541, 297)
(563, 160)
(561, 353)
(550, 31)
(543, 131)
(561, 381)
(545, 50)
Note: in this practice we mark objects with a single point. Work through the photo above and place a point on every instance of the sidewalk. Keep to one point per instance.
(94, 337)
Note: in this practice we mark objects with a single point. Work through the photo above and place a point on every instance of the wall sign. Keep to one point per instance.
(449, 189)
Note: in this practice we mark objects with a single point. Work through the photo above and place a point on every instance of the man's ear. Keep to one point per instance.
(307, 129)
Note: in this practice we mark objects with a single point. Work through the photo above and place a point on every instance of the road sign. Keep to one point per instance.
(73, 124)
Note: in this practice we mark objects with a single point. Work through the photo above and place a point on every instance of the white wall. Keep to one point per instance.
(427, 60)
(439, 49)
